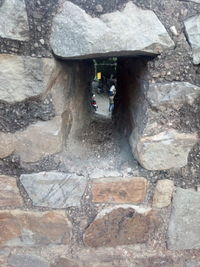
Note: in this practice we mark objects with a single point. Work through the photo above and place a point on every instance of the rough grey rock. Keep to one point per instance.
(21, 260)
(155, 142)
(131, 31)
(54, 189)
(13, 20)
(23, 77)
(192, 26)
(184, 226)
(162, 151)
(175, 94)
(38, 140)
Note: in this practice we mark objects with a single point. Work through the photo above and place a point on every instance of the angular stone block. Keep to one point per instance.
(163, 193)
(22, 77)
(9, 192)
(162, 151)
(119, 190)
(26, 228)
(75, 34)
(121, 225)
(184, 226)
(54, 189)
(39, 140)
(13, 20)
(23, 260)
(192, 27)
(154, 140)
(172, 95)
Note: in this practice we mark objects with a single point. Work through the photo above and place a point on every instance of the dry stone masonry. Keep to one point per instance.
(70, 196)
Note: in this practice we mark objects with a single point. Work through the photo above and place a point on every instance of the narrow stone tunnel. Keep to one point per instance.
(104, 140)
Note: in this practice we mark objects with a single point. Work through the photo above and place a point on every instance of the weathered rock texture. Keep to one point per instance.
(163, 193)
(24, 77)
(184, 226)
(21, 260)
(37, 141)
(158, 141)
(21, 228)
(162, 151)
(9, 192)
(13, 20)
(192, 27)
(75, 34)
(123, 190)
(54, 189)
(121, 225)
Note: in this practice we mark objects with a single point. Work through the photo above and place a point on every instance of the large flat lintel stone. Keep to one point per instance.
(132, 31)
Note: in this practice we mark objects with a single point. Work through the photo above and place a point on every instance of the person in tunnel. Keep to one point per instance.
(111, 95)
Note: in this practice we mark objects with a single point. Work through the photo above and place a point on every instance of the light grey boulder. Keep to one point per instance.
(54, 189)
(184, 226)
(132, 31)
(13, 20)
(23, 77)
(192, 27)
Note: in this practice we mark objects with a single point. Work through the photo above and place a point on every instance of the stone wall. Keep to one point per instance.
(53, 217)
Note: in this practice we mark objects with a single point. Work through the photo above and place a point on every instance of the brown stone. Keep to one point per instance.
(163, 193)
(21, 228)
(119, 190)
(121, 225)
(9, 192)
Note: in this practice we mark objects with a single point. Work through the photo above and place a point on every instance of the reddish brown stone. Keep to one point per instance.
(123, 190)
(20, 228)
(121, 226)
(9, 192)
